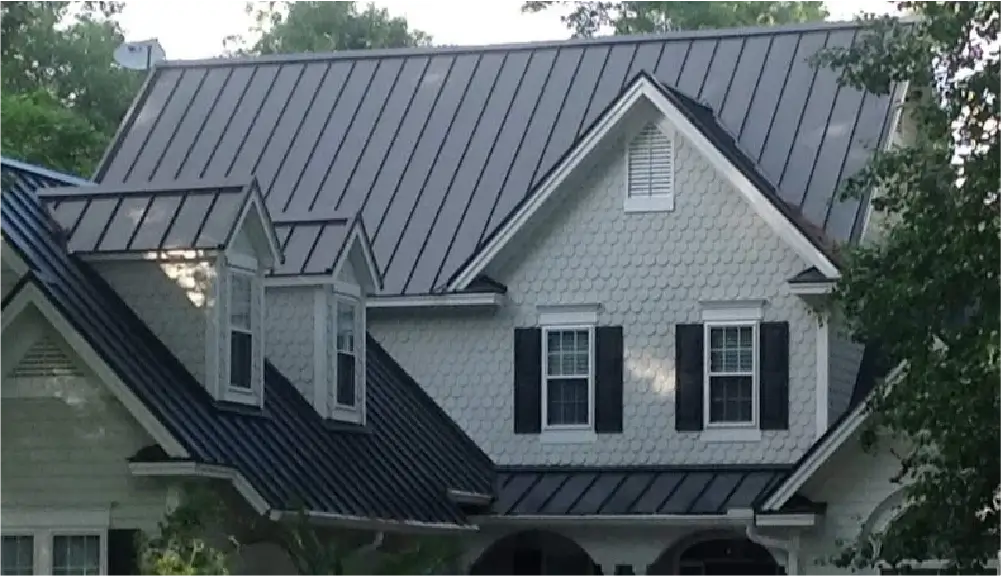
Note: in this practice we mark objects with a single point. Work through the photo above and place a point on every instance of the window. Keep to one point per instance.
(241, 336)
(18, 555)
(730, 373)
(568, 373)
(346, 354)
(650, 171)
(78, 554)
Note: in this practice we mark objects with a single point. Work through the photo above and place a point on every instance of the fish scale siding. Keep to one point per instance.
(649, 271)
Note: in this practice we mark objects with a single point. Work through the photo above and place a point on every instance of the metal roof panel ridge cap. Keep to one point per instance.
(738, 32)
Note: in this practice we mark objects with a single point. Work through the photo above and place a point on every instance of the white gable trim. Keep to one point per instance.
(643, 88)
(454, 300)
(31, 295)
(826, 447)
(355, 238)
(254, 205)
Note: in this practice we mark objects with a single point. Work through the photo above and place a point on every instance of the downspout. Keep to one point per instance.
(789, 546)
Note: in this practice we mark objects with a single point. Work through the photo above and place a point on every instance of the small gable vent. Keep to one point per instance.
(651, 170)
(46, 359)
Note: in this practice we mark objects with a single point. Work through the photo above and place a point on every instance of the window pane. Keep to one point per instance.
(730, 399)
(553, 367)
(76, 555)
(18, 555)
(553, 341)
(582, 341)
(567, 401)
(345, 379)
(731, 349)
(240, 347)
(345, 327)
(240, 306)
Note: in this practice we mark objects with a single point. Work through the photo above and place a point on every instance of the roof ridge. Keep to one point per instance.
(69, 179)
(681, 35)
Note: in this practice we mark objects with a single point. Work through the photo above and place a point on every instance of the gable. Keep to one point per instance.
(435, 149)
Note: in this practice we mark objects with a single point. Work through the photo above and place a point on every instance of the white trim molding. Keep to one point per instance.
(732, 518)
(823, 369)
(31, 294)
(640, 90)
(723, 315)
(564, 314)
(195, 469)
(568, 433)
(811, 288)
(448, 300)
(11, 259)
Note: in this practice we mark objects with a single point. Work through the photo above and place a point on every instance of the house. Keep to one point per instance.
(564, 299)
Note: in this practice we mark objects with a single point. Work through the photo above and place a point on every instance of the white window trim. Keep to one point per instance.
(567, 433)
(44, 525)
(353, 414)
(251, 396)
(651, 203)
(722, 314)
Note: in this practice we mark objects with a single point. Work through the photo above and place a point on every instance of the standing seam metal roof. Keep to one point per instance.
(398, 467)
(435, 148)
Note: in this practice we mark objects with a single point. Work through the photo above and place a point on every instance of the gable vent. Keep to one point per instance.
(45, 359)
(651, 164)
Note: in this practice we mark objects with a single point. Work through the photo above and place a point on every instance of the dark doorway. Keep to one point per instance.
(534, 552)
(727, 556)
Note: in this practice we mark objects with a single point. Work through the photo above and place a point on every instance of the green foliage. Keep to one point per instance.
(181, 546)
(57, 67)
(39, 129)
(585, 19)
(291, 27)
(928, 289)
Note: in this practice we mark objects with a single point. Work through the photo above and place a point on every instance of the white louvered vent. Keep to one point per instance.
(46, 358)
(650, 178)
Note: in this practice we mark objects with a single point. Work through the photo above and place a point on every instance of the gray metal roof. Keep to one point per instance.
(583, 491)
(398, 467)
(435, 148)
(109, 219)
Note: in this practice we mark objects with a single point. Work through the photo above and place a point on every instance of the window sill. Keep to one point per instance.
(349, 414)
(568, 436)
(731, 435)
(651, 204)
(242, 396)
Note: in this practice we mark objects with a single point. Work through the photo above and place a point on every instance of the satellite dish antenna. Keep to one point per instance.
(141, 55)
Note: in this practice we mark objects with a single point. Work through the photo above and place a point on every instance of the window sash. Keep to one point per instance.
(241, 313)
(711, 376)
(577, 374)
(16, 564)
(45, 540)
(86, 563)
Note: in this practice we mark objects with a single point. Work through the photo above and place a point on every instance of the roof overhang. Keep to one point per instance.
(189, 469)
(448, 300)
(811, 288)
(642, 89)
(822, 451)
(741, 517)
(366, 523)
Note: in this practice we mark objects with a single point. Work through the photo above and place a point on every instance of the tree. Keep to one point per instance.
(585, 19)
(928, 289)
(290, 27)
(58, 69)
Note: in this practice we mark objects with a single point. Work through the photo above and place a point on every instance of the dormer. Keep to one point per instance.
(316, 326)
(190, 260)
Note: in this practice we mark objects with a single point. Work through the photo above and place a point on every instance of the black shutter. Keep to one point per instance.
(688, 377)
(527, 380)
(774, 374)
(608, 379)
(123, 552)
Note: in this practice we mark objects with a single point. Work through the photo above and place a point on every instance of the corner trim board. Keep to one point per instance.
(823, 370)
(643, 88)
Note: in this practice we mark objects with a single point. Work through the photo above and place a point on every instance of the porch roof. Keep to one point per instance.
(631, 490)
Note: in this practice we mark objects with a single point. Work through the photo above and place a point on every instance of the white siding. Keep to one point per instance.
(289, 335)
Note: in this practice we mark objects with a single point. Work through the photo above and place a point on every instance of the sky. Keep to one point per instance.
(195, 29)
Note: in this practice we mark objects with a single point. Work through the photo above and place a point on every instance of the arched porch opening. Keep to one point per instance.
(534, 552)
(716, 552)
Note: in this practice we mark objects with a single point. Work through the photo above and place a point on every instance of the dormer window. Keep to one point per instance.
(241, 327)
(346, 401)
(241, 335)
(346, 357)
(650, 171)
